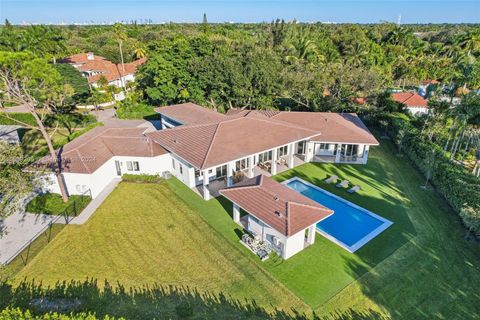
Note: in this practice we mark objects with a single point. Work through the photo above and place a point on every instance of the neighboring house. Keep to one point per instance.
(415, 103)
(94, 67)
(276, 214)
(9, 134)
(209, 151)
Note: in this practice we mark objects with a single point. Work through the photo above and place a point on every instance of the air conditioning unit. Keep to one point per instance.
(166, 175)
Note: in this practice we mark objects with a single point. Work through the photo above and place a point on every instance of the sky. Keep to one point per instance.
(357, 11)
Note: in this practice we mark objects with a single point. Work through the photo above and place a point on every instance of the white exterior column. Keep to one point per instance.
(274, 162)
(230, 174)
(365, 154)
(251, 164)
(337, 156)
(311, 235)
(310, 149)
(290, 161)
(206, 192)
(236, 213)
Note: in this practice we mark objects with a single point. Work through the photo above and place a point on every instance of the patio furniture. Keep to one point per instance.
(343, 184)
(353, 189)
(262, 254)
(331, 179)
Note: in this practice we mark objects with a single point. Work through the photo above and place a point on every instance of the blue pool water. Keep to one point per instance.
(351, 225)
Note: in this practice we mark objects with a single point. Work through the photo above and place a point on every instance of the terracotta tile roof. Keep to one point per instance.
(190, 113)
(410, 99)
(90, 151)
(333, 127)
(280, 207)
(108, 69)
(212, 144)
(246, 113)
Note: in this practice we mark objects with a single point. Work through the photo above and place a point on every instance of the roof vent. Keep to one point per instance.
(275, 198)
(278, 214)
(175, 141)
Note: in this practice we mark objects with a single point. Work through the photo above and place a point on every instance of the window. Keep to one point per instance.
(181, 168)
(324, 146)
(133, 166)
(221, 171)
(282, 151)
(197, 173)
(301, 147)
(241, 164)
(136, 166)
(173, 164)
(264, 157)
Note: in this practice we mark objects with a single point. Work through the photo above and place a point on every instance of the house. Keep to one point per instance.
(427, 88)
(93, 67)
(9, 134)
(415, 103)
(276, 214)
(209, 151)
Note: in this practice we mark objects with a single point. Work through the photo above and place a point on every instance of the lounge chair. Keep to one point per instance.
(343, 184)
(353, 189)
(331, 179)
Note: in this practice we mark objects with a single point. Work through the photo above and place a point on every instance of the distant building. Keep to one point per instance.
(427, 88)
(9, 134)
(415, 103)
(94, 67)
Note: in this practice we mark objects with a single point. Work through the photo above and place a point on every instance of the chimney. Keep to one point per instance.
(90, 56)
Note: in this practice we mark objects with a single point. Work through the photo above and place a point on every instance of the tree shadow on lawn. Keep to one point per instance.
(147, 302)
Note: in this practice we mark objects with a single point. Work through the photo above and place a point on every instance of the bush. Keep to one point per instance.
(72, 119)
(132, 110)
(142, 178)
(52, 203)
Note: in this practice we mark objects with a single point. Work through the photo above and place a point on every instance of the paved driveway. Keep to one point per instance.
(17, 230)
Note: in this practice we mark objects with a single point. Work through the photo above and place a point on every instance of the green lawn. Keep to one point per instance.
(144, 235)
(419, 267)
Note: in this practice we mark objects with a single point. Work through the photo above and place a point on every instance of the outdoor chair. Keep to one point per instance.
(331, 179)
(343, 184)
(353, 189)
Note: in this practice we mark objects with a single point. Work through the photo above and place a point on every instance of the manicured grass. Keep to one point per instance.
(419, 267)
(143, 234)
(52, 203)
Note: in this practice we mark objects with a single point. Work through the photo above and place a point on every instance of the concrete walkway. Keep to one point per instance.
(95, 203)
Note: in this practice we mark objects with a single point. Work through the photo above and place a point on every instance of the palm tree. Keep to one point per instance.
(470, 42)
(121, 35)
(140, 52)
(356, 54)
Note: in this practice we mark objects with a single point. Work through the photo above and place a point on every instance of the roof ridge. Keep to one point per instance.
(210, 145)
(106, 146)
(310, 206)
(287, 220)
(286, 124)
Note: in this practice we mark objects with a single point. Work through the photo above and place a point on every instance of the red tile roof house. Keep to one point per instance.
(209, 151)
(414, 102)
(93, 67)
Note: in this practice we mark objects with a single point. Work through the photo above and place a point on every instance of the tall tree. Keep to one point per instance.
(121, 35)
(32, 82)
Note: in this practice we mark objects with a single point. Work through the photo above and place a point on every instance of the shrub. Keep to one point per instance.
(52, 203)
(18, 314)
(77, 119)
(471, 218)
(142, 178)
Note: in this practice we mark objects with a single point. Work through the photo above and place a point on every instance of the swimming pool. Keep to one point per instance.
(350, 226)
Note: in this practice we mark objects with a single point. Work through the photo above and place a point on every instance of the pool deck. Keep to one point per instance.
(360, 243)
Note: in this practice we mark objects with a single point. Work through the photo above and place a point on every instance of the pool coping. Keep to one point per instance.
(363, 241)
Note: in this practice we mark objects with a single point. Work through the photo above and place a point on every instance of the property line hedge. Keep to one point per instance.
(459, 187)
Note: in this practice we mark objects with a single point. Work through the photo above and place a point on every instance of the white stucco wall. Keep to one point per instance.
(187, 176)
(77, 183)
(417, 111)
(294, 244)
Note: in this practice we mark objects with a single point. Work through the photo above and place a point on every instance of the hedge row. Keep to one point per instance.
(18, 314)
(74, 118)
(459, 187)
